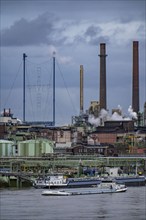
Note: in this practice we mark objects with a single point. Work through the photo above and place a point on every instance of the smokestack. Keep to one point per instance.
(9, 111)
(102, 56)
(4, 112)
(135, 83)
(81, 88)
(145, 114)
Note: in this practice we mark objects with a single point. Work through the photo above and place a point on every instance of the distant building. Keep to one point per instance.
(6, 117)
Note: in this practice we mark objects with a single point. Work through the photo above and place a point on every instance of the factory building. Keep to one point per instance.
(91, 131)
(6, 117)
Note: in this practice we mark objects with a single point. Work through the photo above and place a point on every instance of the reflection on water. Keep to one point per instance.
(29, 204)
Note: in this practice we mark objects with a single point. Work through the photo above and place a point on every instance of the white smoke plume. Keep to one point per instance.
(116, 117)
(104, 116)
(120, 108)
(94, 121)
(132, 114)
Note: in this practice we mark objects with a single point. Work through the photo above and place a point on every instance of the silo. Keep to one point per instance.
(6, 148)
(43, 147)
(31, 149)
(34, 148)
(38, 148)
(47, 146)
(26, 148)
(23, 148)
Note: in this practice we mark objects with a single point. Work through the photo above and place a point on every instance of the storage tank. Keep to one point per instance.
(6, 148)
(38, 148)
(35, 147)
(27, 148)
(47, 146)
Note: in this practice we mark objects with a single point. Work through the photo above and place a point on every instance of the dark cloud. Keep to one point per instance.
(98, 40)
(92, 31)
(34, 32)
(94, 35)
(44, 30)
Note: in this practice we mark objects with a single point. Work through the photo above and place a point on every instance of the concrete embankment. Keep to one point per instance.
(6, 182)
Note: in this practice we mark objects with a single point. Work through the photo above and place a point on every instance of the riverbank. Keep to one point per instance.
(12, 182)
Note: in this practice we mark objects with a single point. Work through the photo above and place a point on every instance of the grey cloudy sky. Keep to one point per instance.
(74, 30)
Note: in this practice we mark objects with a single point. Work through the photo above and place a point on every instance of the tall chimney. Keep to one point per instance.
(102, 56)
(81, 88)
(145, 114)
(135, 83)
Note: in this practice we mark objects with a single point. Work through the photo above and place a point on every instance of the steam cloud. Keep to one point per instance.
(104, 116)
(132, 114)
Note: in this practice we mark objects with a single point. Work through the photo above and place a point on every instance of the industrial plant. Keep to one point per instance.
(92, 133)
(93, 128)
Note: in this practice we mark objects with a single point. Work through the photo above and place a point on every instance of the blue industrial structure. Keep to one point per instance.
(46, 123)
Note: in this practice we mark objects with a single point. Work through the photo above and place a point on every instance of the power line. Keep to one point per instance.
(12, 86)
(38, 70)
(66, 88)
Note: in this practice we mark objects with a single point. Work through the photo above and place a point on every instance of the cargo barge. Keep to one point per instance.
(58, 181)
(103, 187)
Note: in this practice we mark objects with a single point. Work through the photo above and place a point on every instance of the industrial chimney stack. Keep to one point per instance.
(102, 56)
(135, 82)
(81, 89)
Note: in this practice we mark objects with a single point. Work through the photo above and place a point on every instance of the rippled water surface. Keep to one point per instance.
(29, 204)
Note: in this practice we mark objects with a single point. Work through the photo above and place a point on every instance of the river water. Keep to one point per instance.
(29, 204)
